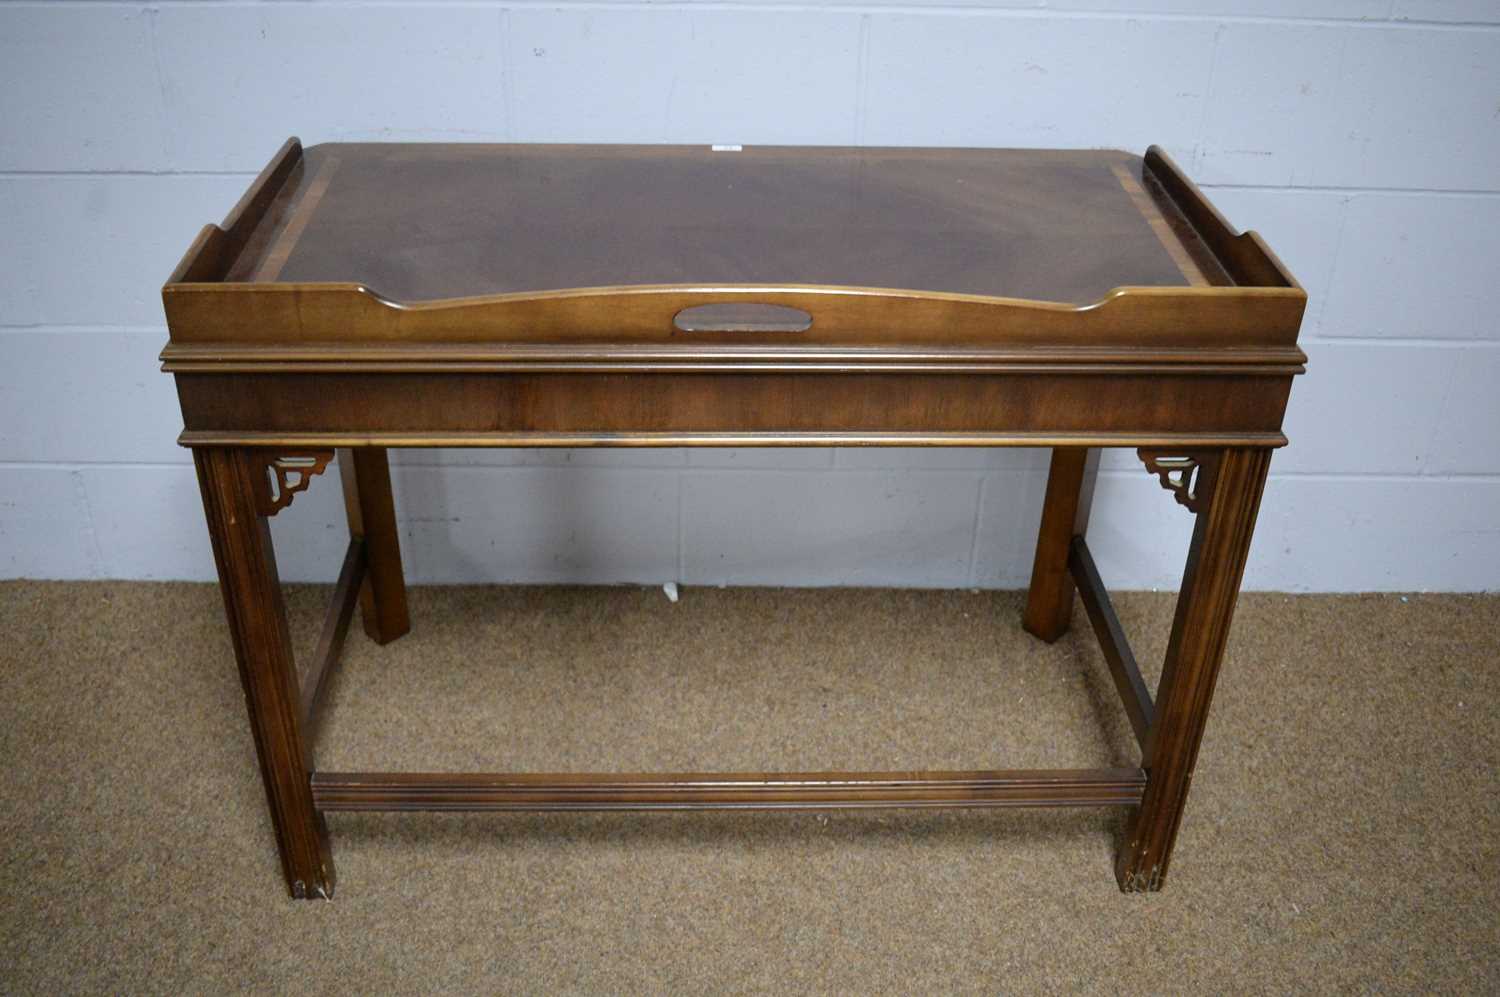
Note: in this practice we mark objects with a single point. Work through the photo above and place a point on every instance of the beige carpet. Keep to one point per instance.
(1342, 835)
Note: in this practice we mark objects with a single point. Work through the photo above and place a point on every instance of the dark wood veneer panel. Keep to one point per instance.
(770, 403)
(424, 222)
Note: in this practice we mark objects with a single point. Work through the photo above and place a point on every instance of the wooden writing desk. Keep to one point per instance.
(373, 296)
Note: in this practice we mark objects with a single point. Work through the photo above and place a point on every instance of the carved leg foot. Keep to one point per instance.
(237, 497)
(1225, 489)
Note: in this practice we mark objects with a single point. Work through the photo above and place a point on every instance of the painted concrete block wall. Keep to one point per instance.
(1361, 137)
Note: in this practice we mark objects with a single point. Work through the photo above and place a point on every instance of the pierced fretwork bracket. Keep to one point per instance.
(286, 474)
(1180, 473)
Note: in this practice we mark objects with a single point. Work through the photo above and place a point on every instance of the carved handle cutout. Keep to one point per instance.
(742, 317)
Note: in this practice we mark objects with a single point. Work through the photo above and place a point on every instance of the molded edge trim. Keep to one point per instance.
(216, 438)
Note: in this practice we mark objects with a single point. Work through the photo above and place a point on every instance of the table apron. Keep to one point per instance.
(409, 408)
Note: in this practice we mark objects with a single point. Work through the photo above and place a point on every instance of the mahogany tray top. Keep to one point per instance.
(425, 259)
(477, 220)
(364, 296)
